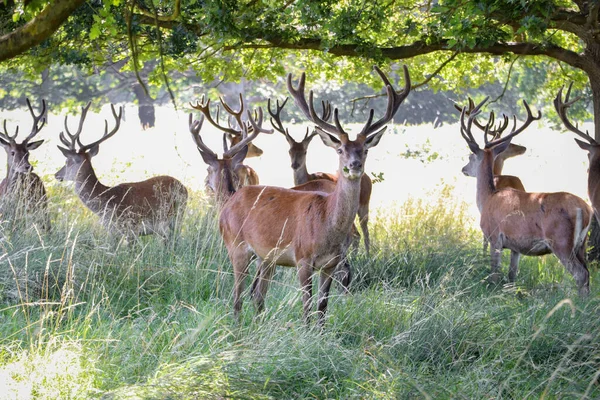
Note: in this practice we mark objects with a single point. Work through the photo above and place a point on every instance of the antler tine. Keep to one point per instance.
(300, 100)
(204, 107)
(561, 109)
(514, 132)
(195, 127)
(74, 138)
(256, 129)
(465, 130)
(394, 101)
(6, 136)
(469, 109)
(237, 115)
(35, 129)
(326, 115)
(276, 117)
(107, 134)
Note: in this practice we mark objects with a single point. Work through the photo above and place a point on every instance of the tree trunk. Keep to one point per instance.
(594, 76)
(145, 106)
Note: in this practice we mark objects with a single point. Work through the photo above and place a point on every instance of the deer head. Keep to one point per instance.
(352, 153)
(18, 153)
(78, 156)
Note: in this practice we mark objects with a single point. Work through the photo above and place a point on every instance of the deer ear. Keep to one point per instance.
(584, 145)
(500, 148)
(4, 143)
(328, 140)
(373, 140)
(66, 152)
(93, 151)
(34, 145)
(238, 158)
(208, 158)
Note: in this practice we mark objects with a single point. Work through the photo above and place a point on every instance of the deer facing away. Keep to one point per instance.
(152, 206)
(305, 230)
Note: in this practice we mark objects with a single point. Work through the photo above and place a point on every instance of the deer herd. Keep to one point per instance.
(310, 226)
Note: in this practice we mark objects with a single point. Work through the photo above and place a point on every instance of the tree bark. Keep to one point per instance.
(145, 107)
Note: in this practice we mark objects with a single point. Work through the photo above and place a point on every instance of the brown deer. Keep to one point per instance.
(226, 175)
(303, 229)
(590, 145)
(22, 192)
(155, 205)
(234, 156)
(526, 223)
(297, 154)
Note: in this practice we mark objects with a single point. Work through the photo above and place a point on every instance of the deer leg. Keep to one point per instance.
(343, 274)
(264, 274)
(324, 286)
(574, 262)
(363, 217)
(496, 259)
(514, 265)
(240, 259)
(485, 244)
(305, 272)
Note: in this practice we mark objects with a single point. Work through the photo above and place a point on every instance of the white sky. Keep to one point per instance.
(553, 162)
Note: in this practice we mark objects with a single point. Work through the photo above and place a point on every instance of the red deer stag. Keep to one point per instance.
(590, 145)
(155, 205)
(228, 174)
(297, 154)
(526, 223)
(22, 192)
(306, 230)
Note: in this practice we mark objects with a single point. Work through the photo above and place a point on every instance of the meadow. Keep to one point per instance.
(86, 315)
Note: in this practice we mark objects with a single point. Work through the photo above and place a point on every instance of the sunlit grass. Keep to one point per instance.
(85, 314)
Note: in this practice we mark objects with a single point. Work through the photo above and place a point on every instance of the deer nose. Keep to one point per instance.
(356, 164)
(295, 165)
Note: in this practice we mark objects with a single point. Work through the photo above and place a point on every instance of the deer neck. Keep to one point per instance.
(89, 188)
(593, 181)
(343, 205)
(498, 165)
(301, 175)
(485, 180)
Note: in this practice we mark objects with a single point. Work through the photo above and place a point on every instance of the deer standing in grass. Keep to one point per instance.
(320, 181)
(526, 223)
(590, 145)
(155, 205)
(226, 175)
(22, 192)
(305, 230)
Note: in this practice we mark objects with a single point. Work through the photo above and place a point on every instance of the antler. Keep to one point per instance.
(514, 132)
(36, 128)
(195, 127)
(561, 109)
(394, 101)
(278, 125)
(75, 138)
(204, 107)
(255, 127)
(496, 132)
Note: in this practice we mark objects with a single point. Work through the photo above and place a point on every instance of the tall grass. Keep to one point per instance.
(85, 314)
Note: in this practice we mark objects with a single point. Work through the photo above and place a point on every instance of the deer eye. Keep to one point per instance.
(339, 151)
(12, 153)
(366, 151)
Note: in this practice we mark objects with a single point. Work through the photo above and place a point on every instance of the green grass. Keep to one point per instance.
(84, 314)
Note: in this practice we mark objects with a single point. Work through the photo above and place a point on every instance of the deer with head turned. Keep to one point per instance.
(155, 205)
(227, 174)
(302, 229)
(297, 154)
(526, 223)
(590, 145)
(22, 192)
(501, 181)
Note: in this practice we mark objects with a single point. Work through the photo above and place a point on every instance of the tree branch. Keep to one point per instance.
(38, 29)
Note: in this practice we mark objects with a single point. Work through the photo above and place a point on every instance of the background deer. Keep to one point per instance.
(228, 174)
(297, 154)
(590, 145)
(306, 230)
(152, 206)
(526, 223)
(22, 191)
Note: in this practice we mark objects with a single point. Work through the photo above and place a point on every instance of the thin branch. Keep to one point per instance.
(162, 56)
(161, 18)
(507, 80)
(133, 48)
